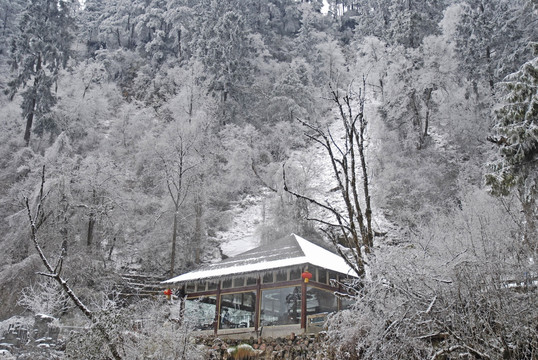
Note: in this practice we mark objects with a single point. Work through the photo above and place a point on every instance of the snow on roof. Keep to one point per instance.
(318, 256)
(292, 250)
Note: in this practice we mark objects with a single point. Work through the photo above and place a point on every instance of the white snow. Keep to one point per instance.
(318, 256)
(242, 236)
(317, 169)
(314, 255)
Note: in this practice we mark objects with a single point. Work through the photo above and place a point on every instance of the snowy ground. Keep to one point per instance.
(242, 235)
(316, 167)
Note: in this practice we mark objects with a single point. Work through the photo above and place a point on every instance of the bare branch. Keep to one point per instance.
(347, 160)
(56, 276)
(253, 167)
(299, 196)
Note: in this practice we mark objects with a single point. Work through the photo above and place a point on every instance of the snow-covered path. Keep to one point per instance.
(316, 168)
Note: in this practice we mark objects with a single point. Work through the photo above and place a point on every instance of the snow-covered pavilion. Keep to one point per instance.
(265, 288)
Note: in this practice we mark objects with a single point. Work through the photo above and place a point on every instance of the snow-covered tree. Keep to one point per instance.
(491, 36)
(517, 138)
(224, 49)
(38, 52)
(9, 10)
(413, 20)
(45, 298)
(456, 290)
(352, 224)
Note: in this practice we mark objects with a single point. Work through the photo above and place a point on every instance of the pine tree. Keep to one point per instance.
(517, 127)
(411, 21)
(490, 37)
(38, 52)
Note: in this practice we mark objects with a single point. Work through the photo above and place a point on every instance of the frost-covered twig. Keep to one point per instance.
(55, 273)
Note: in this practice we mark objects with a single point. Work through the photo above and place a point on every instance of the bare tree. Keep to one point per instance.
(36, 219)
(351, 227)
(460, 289)
(177, 164)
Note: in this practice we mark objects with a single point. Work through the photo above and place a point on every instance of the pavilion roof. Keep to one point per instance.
(289, 251)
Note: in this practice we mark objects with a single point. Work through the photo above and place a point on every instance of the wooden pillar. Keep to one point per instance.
(303, 305)
(217, 310)
(258, 304)
(182, 299)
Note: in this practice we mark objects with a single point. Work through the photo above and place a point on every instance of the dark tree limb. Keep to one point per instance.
(349, 166)
(55, 273)
(264, 183)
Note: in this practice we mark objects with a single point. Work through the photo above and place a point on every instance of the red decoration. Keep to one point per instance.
(306, 276)
(168, 293)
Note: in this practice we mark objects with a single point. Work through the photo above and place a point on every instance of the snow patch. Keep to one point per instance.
(313, 254)
(242, 236)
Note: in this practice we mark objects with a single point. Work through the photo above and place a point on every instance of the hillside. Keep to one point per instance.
(164, 126)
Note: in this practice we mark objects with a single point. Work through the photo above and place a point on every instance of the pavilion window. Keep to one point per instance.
(320, 301)
(227, 284)
(280, 306)
(295, 274)
(251, 281)
(237, 310)
(201, 311)
(190, 288)
(211, 286)
(316, 272)
(268, 278)
(333, 276)
(282, 276)
(322, 276)
(346, 303)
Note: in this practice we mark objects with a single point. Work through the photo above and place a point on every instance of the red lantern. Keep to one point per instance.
(168, 293)
(306, 276)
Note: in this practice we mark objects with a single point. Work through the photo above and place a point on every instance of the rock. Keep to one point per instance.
(6, 355)
(44, 327)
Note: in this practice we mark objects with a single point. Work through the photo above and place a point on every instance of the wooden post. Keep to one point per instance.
(182, 299)
(303, 305)
(217, 310)
(258, 304)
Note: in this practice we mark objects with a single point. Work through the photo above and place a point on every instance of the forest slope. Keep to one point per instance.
(164, 127)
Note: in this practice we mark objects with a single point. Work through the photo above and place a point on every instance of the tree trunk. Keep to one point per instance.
(491, 80)
(55, 273)
(29, 120)
(174, 241)
(91, 223)
(197, 243)
(427, 117)
(179, 43)
(528, 204)
(91, 220)
(30, 115)
(118, 37)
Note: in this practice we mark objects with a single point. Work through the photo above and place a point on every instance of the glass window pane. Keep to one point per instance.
(268, 278)
(320, 301)
(281, 276)
(201, 312)
(226, 284)
(211, 286)
(190, 288)
(315, 272)
(322, 276)
(237, 310)
(251, 281)
(281, 306)
(333, 276)
(238, 282)
(295, 274)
